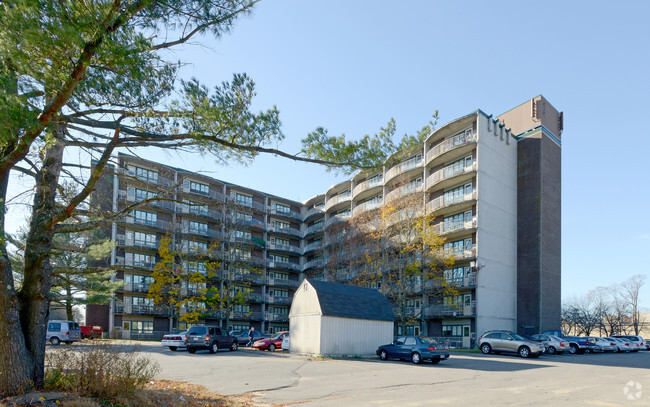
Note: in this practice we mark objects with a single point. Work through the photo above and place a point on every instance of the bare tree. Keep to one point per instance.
(630, 290)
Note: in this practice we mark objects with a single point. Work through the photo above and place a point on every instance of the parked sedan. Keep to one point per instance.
(606, 344)
(622, 345)
(174, 341)
(552, 343)
(272, 343)
(415, 349)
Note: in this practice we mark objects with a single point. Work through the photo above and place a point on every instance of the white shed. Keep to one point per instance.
(336, 319)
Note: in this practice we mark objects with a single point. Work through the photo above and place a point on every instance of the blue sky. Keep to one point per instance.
(352, 65)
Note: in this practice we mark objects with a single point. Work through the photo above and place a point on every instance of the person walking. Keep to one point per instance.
(251, 335)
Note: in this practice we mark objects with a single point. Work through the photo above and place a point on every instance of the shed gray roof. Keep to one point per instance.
(346, 301)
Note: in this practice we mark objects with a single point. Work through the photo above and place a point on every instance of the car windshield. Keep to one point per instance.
(428, 341)
(555, 338)
(277, 336)
(518, 337)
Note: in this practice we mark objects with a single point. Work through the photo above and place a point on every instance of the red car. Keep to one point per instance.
(272, 343)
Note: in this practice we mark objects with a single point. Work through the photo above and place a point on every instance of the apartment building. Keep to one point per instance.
(492, 183)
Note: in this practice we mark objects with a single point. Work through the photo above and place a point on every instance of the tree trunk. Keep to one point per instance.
(16, 364)
(34, 298)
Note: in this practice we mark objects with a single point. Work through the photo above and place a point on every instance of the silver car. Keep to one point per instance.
(606, 344)
(507, 341)
(622, 345)
(553, 344)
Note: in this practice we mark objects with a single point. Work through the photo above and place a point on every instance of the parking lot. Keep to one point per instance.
(488, 380)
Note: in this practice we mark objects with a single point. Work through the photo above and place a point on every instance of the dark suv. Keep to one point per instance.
(210, 337)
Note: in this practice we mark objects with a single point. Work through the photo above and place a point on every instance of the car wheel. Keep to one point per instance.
(486, 348)
(55, 341)
(573, 349)
(234, 346)
(383, 355)
(551, 350)
(173, 348)
(435, 361)
(191, 350)
(587, 351)
(416, 358)
(524, 352)
(214, 348)
(616, 349)
(271, 348)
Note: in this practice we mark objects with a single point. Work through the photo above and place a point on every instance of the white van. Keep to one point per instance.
(62, 331)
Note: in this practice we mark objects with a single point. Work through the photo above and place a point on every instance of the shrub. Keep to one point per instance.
(101, 370)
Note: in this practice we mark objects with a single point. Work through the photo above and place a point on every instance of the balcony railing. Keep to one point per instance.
(403, 191)
(314, 211)
(313, 264)
(283, 265)
(403, 167)
(210, 193)
(452, 143)
(408, 312)
(140, 310)
(313, 246)
(366, 185)
(464, 282)
(198, 211)
(281, 212)
(336, 219)
(462, 254)
(250, 277)
(283, 230)
(246, 204)
(200, 232)
(284, 247)
(314, 229)
(278, 300)
(158, 224)
(277, 317)
(442, 202)
(121, 241)
(448, 227)
(278, 282)
(246, 316)
(158, 180)
(336, 200)
(136, 287)
(447, 173)
(366, 206)
(441, 310)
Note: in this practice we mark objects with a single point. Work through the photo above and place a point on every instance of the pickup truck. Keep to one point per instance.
(579, 344)
(91, 332)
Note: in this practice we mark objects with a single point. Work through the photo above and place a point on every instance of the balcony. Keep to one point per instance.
(252, 259)
(256, 278)
(278, 300)
(135, 287)
(156, 180)
(216, 195)
(367, 185)
(140, 310)
(314, 212)
(121, 241)
(283, 265)
(440, 202)
(281, 212)
(336, 219)
(198, 210)
(157, 224)
(458, 141)
(164, 203)
(277, 317)
(338, 199)
(312, 247)
(403, 191)
(199, 232)
(448, 173)
(464, 282)
(446, 228)
(283, 230)
(278, 282)
(403, 168)
(254, 297)
(366, 206)
(246, 316)
(464, 254)
(441, 310)
(314, 229)
(313, 264)
(408, 312)
(245, 204)
(284, 247)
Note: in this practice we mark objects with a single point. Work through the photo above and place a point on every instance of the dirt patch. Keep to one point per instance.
(157, 393)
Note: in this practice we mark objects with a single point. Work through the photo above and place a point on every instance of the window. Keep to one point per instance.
(456, 274)
(198, 228)
(279, 208)
(409, 341)
(241, 308)
(279, 276)
(54, 326)
(239, 253)
(243, 235)
(146, 175)
(280, 293)
(454, 330)
(146, 218)
(141, 194)
(279, 225)
(194, 266)
(345, 213)
(279, 310)
(344, 194)
(198, 208)
(142, 326)
(415, 183)
(376, 179)
(144, 239)
(279, 258)
(197, 187)
(191, 246)
(280, 242)
(139, 259)
(244, 200)
(246, 217)
(458, 194)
